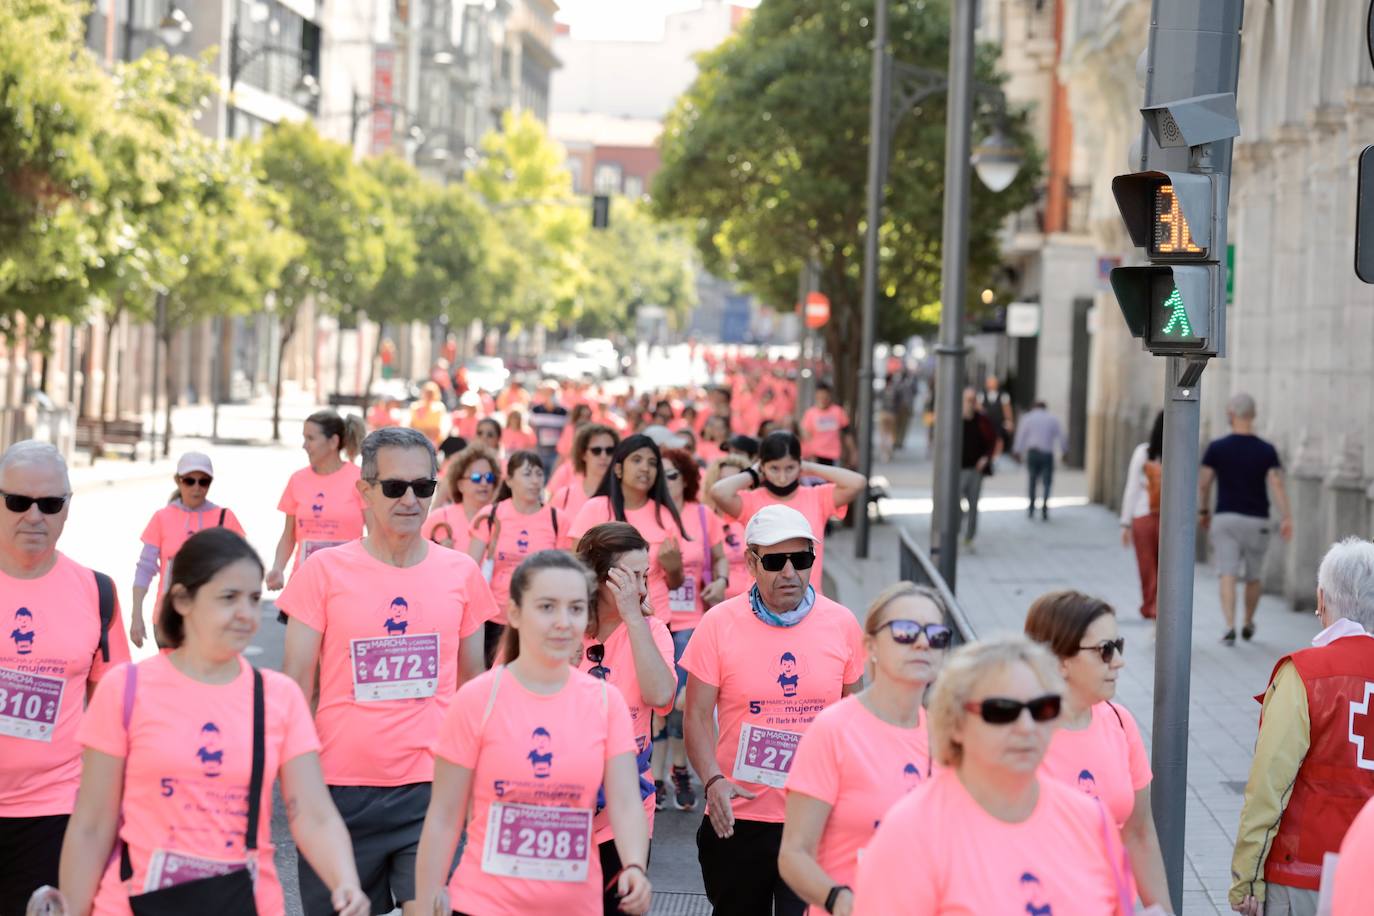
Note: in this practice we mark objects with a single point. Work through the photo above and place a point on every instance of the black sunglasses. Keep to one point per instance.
(48, 505)
(1004, 711)
(774, 562)
(1108, 649)
(599, 450)
(395, 489)
(671, 475)
(907, 632)
(596, 655)
(197, 481)
(488, 477)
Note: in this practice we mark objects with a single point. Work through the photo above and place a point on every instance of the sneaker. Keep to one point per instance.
(685, 797)
(661, 791)
(1229, 638)
(1247, 631)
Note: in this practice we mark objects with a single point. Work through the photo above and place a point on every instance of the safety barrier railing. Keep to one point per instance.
(916, 566)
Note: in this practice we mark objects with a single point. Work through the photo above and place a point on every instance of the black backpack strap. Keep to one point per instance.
(221, 518)
(104, 588)
(1119, 721)
(554, 513)
(259, 758)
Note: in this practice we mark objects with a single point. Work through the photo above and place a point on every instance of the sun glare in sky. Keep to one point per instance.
(624, 20)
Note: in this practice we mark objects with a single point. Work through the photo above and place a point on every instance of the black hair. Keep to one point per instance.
(658, 493)
(600, 548)
(198, 561)
(778, 445)
(452, 446)
(1155, 450)
(747, 444)
(492, 422)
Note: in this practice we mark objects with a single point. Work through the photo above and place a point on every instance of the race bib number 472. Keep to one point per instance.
(395, 667)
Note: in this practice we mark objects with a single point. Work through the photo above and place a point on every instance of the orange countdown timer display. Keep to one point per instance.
(1171, 238)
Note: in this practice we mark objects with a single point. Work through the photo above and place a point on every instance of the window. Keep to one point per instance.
(606, 178)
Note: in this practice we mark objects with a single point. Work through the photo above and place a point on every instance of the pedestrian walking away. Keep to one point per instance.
(994, 835)
(1039, 437)
(62, 635)
(181, 752)
(763, 664)
(1243, 466)
(824, 427)
(393, 624)
(188, 511)
(981, 446)
(1097, 747)
(472, 479)
(1140, 514)
(1313, 767)
(519, 760)
(864, 753)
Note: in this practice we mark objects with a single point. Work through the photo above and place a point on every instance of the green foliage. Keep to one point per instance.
(637, 260)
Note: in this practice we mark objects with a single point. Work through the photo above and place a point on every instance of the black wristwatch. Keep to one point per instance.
(834, 895)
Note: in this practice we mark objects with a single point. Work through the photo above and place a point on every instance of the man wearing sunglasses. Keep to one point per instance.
(51, 656)
(384, 689)
(767, 662)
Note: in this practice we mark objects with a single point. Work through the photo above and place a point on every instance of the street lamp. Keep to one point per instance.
(997, 160)
(174, 27)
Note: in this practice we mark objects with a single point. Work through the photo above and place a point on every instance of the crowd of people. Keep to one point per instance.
(507, 648)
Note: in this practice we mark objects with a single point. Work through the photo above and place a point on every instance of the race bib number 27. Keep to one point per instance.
(765, 755)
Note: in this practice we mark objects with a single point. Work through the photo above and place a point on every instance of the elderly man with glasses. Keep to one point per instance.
(384, 687)
(60, 631)
(767, 661)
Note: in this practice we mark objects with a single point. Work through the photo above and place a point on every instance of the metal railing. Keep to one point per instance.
(916, 566)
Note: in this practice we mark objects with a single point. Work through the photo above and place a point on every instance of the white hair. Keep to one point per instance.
(31, 452)
(1241, 406)
(1346, 580)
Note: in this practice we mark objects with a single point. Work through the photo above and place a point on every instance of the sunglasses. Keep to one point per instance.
(774, 562)
(596, 655)
(600, 450)
(672, 475)
(488, 477)
(1108, 650)
(1004, 711)
(906, 632)
(197, 481)
(395, 489)
(48, 505)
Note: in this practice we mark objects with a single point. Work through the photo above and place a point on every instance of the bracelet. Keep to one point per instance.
(754, 475)
(834, 895)
(710, 782)
(624, 868)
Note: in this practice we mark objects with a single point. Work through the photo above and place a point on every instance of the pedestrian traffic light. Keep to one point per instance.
(1174, 304)
(601, 211)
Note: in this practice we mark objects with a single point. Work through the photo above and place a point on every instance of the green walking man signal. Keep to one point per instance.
(1177, 324)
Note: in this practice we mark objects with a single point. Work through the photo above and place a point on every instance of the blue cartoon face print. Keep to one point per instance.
(1087, 783)
(397, 617)
(211, 752)
(788, 677)
(911, 773)
(317, 505)
(522, 543)
(1034, 893)
(541, 756)
(23, 634)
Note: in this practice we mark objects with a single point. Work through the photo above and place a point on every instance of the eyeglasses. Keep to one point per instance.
(203, 482)
(488, 477)
(774, 562)
(672, 475)
(395, 489)
(48, 505)
(1108, 649)
(596, 655)
(598, 451)
(907, 632)
(1004, 711)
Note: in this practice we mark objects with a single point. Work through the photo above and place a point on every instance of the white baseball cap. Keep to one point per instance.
(195, 461)
(663, 436)
(775, 524)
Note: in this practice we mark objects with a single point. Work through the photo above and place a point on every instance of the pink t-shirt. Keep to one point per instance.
(389, 659)
(188, 757)
(619, 662)
(517, 536)
(773, 681)
(736, 551)
(173, 524)
(860, 766)
(1351, 897)
(955, 859)
(457, 521)
(569, 500)
(816, 503)
(327, 507)
(685, 602)
(1106, 760)
(823, 428)
(49, 653)
(514, 440)
(529, 751)
(597, 511)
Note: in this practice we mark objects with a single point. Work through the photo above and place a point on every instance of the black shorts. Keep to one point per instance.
(30, 848)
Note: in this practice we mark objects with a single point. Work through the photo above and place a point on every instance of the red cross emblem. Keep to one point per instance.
(1362, 729)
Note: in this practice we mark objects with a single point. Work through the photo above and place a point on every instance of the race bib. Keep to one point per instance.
(765, 755)
(537, 842)
(29, 704)
(684, 598)
(310, 547)
(168, 869)
(395, 667)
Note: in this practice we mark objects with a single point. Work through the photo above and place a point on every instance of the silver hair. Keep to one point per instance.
(395, 437)
(1241, 406)
(1346, 580)
(32, 451)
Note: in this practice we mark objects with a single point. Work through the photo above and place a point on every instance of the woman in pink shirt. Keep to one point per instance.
(171, 750)
(986, 834)
(630, 649)
(189, 511)
(864, 753)
(521, 755)
(823, 427)
(1097, 748)
(516, 436)
(489, 434)
(732, 532)
(471, 481)
(592, 449)
(581, 416)
(321, 501)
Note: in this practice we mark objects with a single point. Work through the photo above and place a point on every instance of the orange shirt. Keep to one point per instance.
(327, 507)
(653, 524)
(428, 419)
(389, 657)
(173, 524)
(49, 652)
(1106, 760)
(517, 536)
(816, 503)
(1351, 893)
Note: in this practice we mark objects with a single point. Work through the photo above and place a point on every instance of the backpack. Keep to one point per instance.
(104, 587)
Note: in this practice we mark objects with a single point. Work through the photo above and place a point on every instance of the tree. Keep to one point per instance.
(766, 154)
(637, 260)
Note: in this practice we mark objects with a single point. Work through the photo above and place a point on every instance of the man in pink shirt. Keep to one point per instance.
(766, 662)
(394, 625)
(823, 428)
(54, 646)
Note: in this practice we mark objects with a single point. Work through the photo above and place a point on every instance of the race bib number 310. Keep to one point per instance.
(537, 842)
(29, 704)
(765, 755)
(395, 667)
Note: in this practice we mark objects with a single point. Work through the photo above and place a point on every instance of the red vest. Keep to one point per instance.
(1337, 776)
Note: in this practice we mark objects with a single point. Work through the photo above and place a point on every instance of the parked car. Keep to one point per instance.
(565, 364)
(487, 373)
(603, 353)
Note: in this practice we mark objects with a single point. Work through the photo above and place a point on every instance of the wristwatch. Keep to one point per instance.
(834, 895)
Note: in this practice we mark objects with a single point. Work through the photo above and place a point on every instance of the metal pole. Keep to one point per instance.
(953, 288)
(877, 144)
(159, 322)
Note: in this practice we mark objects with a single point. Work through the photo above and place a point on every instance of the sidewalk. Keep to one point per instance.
(1016, 559)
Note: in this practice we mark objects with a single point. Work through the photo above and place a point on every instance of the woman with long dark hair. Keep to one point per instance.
(1140, 513)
